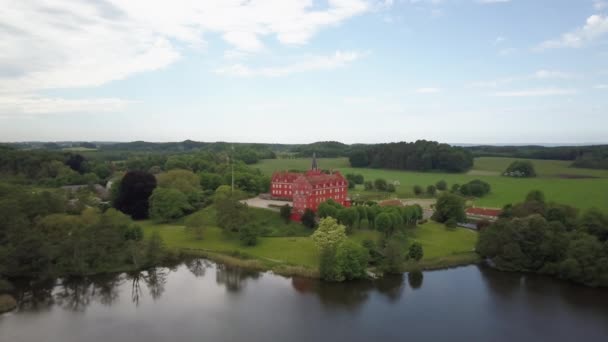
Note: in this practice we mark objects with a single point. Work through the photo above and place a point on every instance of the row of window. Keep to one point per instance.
(281, 186)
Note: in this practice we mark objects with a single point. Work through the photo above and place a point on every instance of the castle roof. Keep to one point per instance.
(284, 176)
(317, 177)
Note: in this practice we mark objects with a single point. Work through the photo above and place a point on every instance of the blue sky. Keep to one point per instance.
(291, 71)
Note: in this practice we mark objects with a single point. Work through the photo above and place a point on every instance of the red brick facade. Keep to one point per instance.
(315, 187)
(281, 185)
(309, 189)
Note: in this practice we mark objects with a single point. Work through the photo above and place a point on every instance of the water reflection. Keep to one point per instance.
(198, 267)
(234, 278)
(472, 304)
(415, 279)
(350, 295)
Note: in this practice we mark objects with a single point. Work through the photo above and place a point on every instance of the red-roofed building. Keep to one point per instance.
(281, 185)
(309, 189)
(483, 213)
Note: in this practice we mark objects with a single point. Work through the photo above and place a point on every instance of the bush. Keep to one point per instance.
(391, 188)
(415, 252)
(451, 223)
(418, 190)
(475, 188)
(308, 218)
(368, 185)
(431, 190)
(520, 168)
(380, 184)
(248, 235)
(286, 213)
(442, 185)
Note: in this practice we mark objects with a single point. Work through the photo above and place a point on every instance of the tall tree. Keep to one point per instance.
(135, 189)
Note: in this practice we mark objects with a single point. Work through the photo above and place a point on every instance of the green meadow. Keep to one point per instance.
(440, 244)
(556, 179)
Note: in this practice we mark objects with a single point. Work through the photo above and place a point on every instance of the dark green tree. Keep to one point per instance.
(449, 206)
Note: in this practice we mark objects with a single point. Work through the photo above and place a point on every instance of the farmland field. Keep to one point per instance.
(555, 180)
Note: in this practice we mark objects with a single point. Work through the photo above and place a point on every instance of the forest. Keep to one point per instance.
(421, 155)
(549, 238)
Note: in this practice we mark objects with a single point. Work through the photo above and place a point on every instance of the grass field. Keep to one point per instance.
(79, 149)
(581, 193)
(438, 242)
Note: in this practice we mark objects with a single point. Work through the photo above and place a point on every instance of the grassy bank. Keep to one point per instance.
(555, 181)
(297, 255)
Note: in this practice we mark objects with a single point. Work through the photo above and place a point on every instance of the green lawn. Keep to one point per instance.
(544, 168)
(581, 193)
(268, 166)
(437, 241)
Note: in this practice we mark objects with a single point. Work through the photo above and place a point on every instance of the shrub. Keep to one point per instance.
(431, 190)
(475, 188)
(308, 218)
(520, 168)
(442, 185)
(417, 190)
(415, 252)
(380, 184)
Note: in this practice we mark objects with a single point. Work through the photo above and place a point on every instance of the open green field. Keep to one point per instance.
(494, 166)
(582, 193)
(79, 149)
(437, 241)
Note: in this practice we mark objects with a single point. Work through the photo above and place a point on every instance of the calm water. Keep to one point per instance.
(202, 301)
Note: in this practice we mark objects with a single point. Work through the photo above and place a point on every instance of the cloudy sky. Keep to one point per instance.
(296, 71)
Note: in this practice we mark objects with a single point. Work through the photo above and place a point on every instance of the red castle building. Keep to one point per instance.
(308, 190)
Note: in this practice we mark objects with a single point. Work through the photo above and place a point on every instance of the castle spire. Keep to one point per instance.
(314, 162)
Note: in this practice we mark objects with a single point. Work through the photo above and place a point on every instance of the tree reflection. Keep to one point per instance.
(198, 267)
(504, 284)
(136, 293)
(415, 279)
(234, 278)
(391, 286)
(34, 295)
(350, 295)
(105, 288)
(156, 279)
(74, 294)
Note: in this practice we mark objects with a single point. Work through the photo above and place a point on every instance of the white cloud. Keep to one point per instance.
(538, 75)
(536, 92)
(601, 86)
(428, 90)
(89, 43)
(499, 40)
(486, 2)
(595, 27)
(312, 63)
(81, 43)
(600, 5)
(16, 105)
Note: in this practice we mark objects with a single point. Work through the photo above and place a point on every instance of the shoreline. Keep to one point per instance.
(280, 268)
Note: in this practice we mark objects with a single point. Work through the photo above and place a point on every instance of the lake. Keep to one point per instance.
(203, 301)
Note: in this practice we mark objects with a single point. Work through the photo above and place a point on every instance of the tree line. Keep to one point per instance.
(549, 238)
(421, 155)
